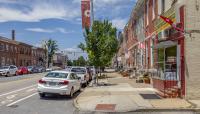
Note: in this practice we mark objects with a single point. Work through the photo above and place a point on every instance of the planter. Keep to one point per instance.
(147, 80)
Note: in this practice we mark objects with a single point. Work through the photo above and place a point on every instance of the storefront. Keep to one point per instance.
(169, 64)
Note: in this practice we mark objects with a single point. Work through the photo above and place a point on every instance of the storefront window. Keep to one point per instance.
(166, 64)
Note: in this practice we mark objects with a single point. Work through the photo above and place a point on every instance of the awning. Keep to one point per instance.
(165, 44)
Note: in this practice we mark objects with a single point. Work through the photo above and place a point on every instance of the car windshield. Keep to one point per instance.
(4, 67)
(78, 70)
(30, 66)
(56, 75)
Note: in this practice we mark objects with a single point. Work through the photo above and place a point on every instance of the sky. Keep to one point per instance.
(60, 20)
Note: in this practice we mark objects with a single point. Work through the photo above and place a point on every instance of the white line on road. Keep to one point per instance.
(11, 96)
(21, 99)
(17, 90)
(29, 90)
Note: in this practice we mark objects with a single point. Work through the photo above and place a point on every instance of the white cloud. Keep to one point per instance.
(73, 53)
(119, 23)
(39, 30)
(61, 30)
(39, 11)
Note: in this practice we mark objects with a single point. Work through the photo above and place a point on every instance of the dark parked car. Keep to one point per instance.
(38, 69)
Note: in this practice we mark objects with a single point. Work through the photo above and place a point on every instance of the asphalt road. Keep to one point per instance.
(18, 95)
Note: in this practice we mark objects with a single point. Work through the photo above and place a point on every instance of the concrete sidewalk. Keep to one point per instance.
(119, 94)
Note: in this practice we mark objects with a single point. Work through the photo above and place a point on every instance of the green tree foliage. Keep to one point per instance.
(100, 43)
(51, 47)
(69, 63)
(80, 62)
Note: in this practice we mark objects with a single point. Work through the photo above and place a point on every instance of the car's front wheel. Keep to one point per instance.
(8, 74)
(16, 73)
(42, 95)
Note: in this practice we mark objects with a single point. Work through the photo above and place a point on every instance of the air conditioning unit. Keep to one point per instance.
(164, 34)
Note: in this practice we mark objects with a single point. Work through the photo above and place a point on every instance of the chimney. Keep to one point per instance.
(13, 35)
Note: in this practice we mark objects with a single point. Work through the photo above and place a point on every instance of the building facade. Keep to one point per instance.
(169, 54)
(60, 60)
(8, 51)
(17, 53)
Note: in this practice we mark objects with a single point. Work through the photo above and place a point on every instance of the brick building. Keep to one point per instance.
(172, 57)
(8, 51)
(60, 60)
(38, 56)
(17, 53)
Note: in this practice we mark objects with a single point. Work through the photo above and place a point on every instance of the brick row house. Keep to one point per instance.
(17, 53)
(170, 56)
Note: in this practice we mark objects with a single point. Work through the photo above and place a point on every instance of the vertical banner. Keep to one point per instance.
(85, 9)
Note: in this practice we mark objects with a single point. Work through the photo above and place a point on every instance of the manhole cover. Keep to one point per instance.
(13, 106)
(150, 96)
(105, 107)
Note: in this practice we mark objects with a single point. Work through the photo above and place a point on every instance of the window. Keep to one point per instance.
(72, 77)
(56, 75)
(11, 48)
(1, 47)
(152, 52)
(147, 12)
(15, 49)
(7, 47)
(153, 9)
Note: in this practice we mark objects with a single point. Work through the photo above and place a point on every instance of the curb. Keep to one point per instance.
(165, 109)
(76, 103)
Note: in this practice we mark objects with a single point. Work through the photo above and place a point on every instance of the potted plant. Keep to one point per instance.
(146, 78)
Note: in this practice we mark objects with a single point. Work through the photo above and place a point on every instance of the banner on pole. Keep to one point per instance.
(85, 9)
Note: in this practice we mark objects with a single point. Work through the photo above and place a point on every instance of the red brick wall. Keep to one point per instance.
(149, 29)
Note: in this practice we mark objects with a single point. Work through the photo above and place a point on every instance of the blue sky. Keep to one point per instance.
(37, 20)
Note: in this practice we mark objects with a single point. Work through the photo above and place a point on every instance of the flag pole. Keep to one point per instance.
(92, 10)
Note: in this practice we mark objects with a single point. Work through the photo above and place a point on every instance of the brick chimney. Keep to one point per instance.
(13, 35)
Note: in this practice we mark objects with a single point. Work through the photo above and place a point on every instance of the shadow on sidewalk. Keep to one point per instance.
(60, 97)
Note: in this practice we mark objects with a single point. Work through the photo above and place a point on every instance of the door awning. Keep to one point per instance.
(165, 44)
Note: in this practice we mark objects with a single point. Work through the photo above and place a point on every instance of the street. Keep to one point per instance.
(18, 95)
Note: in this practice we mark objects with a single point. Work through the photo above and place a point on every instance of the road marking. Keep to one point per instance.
(21, 100)
(3, 102)
(11, 96)
(29, 90)
(17, 90)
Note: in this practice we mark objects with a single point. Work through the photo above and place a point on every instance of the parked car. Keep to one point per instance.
(22, 70)
(38, 69)
(41, 69)
(35, 69)
(8, 70)
(68, 68)
(82, 73)
(49, 69)
(30, 68)
(59, 82)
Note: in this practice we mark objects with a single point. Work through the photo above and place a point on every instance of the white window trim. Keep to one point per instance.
(147, 12)
(153, 9)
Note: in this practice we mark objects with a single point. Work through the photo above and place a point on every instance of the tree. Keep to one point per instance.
(100, 43)
(51, 47)
(69, 63)
(81, 61)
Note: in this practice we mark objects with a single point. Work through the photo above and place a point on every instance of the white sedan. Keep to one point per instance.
(59, 82)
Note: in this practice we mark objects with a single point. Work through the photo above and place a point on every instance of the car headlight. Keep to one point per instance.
(4, 71)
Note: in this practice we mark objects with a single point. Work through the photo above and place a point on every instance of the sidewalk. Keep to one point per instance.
(119, 94)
